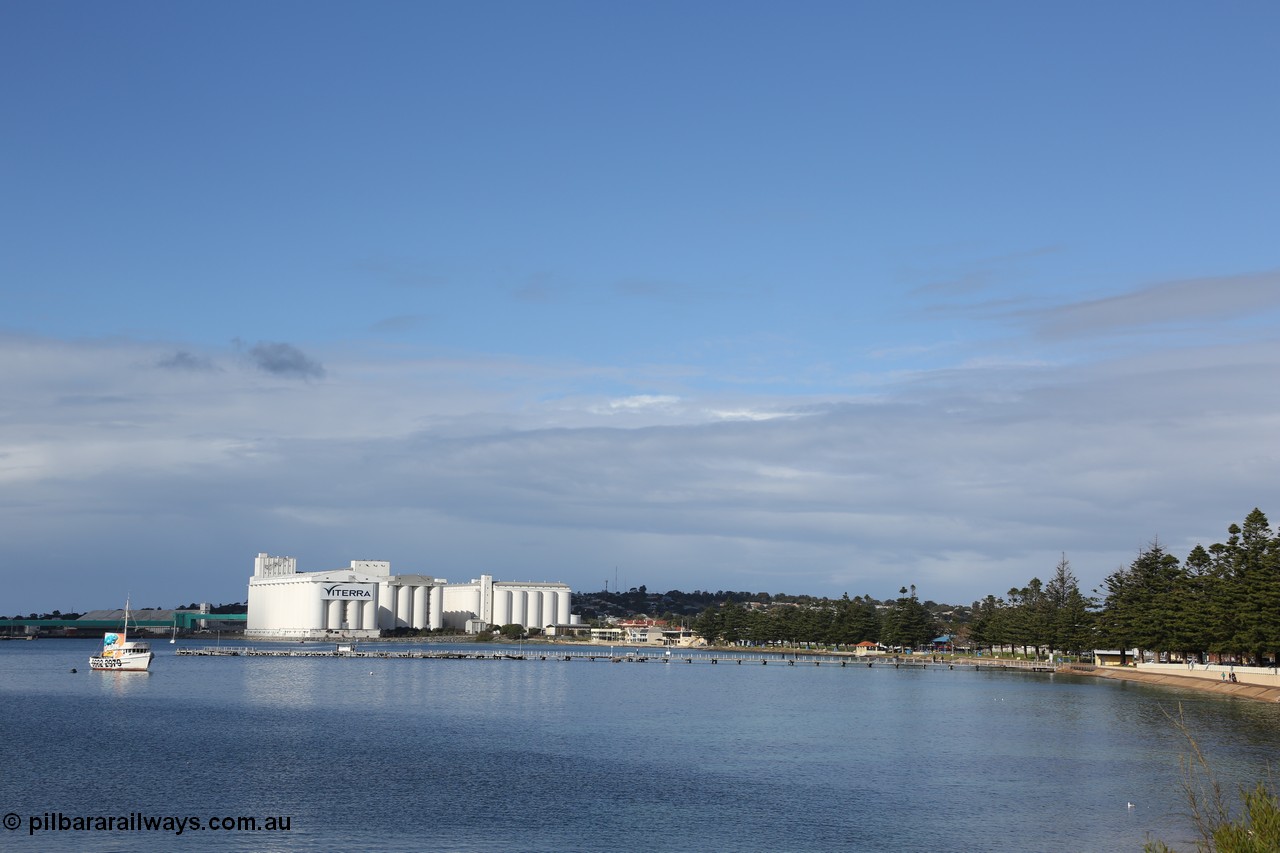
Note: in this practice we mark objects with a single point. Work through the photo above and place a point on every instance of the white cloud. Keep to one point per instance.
(661, 402)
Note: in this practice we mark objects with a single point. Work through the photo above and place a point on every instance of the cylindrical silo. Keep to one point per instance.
(404, 606)
(501, 607)
(315, 619)
(436, 605)
(419, 607)
(519, 607)
(386, 606)
(533, 618)
(550, 604)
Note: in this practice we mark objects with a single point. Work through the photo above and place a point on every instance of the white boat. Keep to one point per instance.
(120, 653)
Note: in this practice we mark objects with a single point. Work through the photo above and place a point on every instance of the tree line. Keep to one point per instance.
(1223, 599)
(1046, 617)
(903, 622)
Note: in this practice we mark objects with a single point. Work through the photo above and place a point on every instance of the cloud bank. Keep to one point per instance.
(123, 460)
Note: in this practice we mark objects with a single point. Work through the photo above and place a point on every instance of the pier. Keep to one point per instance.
(637, 656)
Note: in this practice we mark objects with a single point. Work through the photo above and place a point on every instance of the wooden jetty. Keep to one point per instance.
(639, 656)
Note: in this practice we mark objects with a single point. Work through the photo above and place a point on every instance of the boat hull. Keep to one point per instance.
(123, 663)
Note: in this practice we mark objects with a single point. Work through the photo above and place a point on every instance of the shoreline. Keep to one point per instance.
(1225, 689)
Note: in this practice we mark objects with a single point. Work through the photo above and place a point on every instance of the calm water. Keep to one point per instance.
(563, 756)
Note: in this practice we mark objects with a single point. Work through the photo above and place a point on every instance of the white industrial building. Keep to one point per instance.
(365, 599)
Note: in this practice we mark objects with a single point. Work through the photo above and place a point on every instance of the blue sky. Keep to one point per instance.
(824, 298)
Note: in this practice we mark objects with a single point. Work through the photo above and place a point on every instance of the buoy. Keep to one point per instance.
(73, 669)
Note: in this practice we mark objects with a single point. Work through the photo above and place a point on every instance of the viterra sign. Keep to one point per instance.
(348, 590)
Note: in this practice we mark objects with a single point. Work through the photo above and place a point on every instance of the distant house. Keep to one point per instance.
(606, 635)
(643, 631)
(644, 634)
(654, 632)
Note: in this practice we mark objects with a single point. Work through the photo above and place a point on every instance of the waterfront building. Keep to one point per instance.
(654, 632)
(364, 599)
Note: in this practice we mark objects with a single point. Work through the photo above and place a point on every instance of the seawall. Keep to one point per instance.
(1235, 690)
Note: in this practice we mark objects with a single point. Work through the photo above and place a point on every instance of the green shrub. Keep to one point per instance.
(1256, 829)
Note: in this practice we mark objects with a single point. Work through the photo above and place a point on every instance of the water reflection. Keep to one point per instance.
(120, 685)
(285, 682)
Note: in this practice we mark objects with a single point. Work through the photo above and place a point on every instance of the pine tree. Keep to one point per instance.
(908, 623)
(984, 627)
(1071, 627)
(709, 625)
(1015, 622)
(1039, 618)
(1201, 588)
(1257, 576)
(866, 620)
(734, 621)
(1141, 603)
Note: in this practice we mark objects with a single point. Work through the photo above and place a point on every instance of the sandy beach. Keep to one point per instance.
(1236, 690)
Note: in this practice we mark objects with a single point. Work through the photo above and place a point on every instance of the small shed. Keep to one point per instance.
(866, 647)
(1115, 657)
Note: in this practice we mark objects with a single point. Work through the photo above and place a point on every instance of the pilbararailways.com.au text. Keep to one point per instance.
(139, 822)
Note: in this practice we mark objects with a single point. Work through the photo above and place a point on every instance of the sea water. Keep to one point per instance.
(370, 754)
